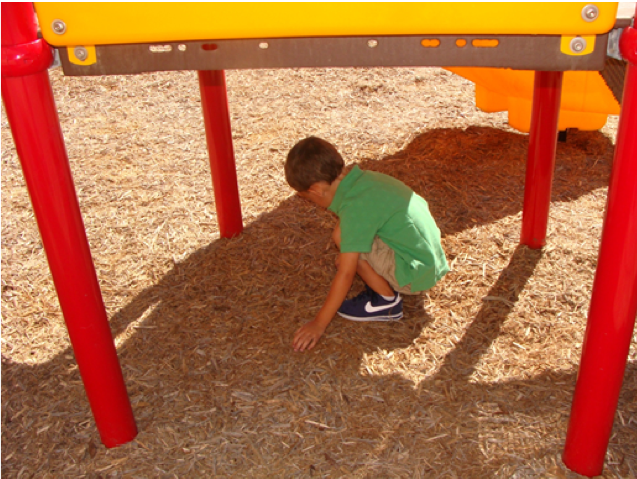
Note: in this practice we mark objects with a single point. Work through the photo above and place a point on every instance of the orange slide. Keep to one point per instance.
(586, 98)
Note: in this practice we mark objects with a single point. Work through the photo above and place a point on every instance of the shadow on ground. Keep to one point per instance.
(216, 388)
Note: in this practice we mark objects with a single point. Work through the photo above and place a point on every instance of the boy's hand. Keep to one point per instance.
(308, 335)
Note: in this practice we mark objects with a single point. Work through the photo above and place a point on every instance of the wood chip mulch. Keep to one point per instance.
(475, 382)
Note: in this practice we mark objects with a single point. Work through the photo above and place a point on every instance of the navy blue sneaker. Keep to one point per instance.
(371, 306)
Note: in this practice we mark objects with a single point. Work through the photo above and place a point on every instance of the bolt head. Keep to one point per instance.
(590, 13)
(58, 27)
(81, 53)
(264, 45)
(578, 45)
(372, 43)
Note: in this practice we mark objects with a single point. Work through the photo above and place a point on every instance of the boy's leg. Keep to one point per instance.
(369, 306)
(374, 280)
(382, 260)
(365, 270)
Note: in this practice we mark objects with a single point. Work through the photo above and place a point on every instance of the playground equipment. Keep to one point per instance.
(585, 104)
(106, 38)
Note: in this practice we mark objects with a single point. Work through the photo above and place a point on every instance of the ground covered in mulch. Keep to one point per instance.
(476, 380)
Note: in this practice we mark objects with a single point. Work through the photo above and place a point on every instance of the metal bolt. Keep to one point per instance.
(578, 45)
(182, 48)
(81, 53)
(58, 27)
(263, 45)
(590, 13)
(372, 43)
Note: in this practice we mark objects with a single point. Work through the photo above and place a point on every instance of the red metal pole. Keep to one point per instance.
(214, 104)
(541, 158)
(30, 107)
(611, 317)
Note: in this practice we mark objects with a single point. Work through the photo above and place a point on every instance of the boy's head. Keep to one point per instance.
(311, 161)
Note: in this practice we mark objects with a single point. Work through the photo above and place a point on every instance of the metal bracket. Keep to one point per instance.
(613, 44)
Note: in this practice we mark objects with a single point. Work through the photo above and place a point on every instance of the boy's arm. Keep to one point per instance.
(308, 335)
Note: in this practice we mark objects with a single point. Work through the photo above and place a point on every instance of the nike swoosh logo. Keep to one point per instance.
(374, 309)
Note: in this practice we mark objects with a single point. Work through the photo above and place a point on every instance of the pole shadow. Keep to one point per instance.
(486, 326)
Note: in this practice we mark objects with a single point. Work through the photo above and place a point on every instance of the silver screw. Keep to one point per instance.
(182, 48)
(372, 43)
(263, 45)
(590, 13)
(58, 27)
(578, 45)
(81, 53)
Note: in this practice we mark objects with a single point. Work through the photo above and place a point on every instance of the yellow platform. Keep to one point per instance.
(121, 23)
(586, 100)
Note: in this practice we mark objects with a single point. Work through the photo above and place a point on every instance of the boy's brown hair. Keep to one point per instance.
(312, 160)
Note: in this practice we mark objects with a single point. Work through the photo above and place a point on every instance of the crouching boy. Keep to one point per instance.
(385, 234)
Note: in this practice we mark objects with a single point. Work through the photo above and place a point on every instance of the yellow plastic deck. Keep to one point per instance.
(121, 23)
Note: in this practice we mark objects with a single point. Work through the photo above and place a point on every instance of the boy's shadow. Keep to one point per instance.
(214, 333)
(476, 176)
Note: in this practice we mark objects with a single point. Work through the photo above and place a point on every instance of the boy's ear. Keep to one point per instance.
(319, 189)
(303, 194)
(316, 189)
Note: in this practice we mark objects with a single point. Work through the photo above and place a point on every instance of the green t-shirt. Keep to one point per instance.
(372, 204)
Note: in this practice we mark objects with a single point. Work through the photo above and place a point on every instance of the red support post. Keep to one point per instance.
(214, 104)
(611, 317)
(540, 164)
(30, 107)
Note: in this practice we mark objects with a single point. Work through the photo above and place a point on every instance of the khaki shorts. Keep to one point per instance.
(383, 261)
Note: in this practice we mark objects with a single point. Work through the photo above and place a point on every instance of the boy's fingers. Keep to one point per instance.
(299, 341)
(303, 343)
(308, 345)
(298, 334)
(299, 338)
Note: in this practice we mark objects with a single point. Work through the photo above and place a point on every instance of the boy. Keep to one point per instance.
(385, 233)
